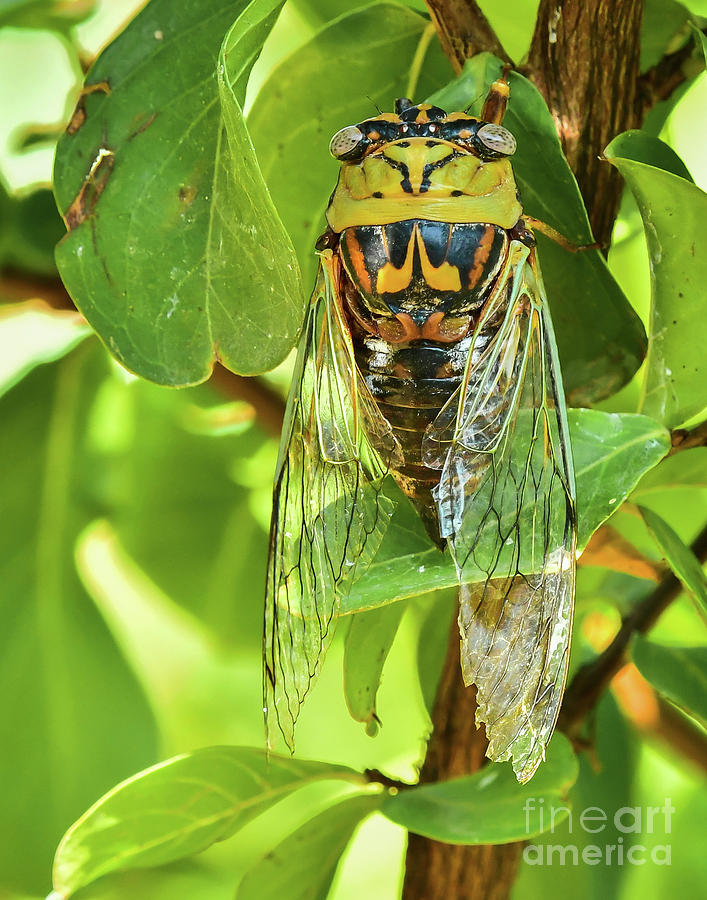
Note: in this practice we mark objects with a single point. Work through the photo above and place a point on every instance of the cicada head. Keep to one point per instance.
(421, 162)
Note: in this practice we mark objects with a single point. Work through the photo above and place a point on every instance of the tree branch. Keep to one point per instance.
(16, 287)
(592, 679)
(269, 406)
(584, 58)
(609, 550)
(464, 31)
(439, 871)
(682, 439)
(655, 718)
(661, 80)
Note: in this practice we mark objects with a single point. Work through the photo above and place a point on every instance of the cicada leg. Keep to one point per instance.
(554, 235)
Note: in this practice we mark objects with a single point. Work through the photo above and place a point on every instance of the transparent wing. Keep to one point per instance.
(506, 505)
(329, 515)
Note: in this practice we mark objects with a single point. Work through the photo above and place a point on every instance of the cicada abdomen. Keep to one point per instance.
(428, 354)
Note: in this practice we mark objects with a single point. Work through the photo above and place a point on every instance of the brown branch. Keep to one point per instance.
(681, 439)
(463, 31)
(609, 550)
(439, 871)
(657, 719)
(679, 733)
(584, 58)
(268, 404)
(17, 287)
(592, 679)
(661, 80)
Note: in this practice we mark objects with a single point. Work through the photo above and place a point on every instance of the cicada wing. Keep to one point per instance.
(329, 514)
(506, 505)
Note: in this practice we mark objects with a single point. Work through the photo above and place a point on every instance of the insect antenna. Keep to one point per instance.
(380, 111)
(476, 99)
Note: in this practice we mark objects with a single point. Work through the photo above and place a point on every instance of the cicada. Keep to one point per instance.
(428, 355)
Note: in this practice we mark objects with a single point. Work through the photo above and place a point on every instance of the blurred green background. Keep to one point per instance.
(134, 533)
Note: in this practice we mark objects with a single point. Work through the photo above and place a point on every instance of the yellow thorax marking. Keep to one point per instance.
(390, 280)
(465, 189)
(416, 156)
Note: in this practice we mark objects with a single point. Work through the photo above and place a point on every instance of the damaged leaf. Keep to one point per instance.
(175, 254)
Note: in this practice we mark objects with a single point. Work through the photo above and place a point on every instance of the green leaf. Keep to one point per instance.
(436, 619)
(177, 808)
(185, 879)
(489, 807)
(688, 467)
(33, 333)
(611, 453)
(648, 149)
(604, 785)
(303, 866)
(678, 673)
(679, 557)
(696, 7)
(73, 719)
(673, 212)
(368, 57)
(29, 228)
(662, 20)
(175, 254)
(368, 642)
(174, 502)
(55, 15)
(700, 36)
(600, 338)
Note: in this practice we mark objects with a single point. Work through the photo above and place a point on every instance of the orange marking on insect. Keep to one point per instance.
(357, 260)
(399, 330)
(445, 329)
(481, 256)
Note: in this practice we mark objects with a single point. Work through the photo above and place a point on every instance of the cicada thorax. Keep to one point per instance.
(413, 291)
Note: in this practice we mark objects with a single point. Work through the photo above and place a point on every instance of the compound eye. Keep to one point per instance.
(497, 138)
(345, 142)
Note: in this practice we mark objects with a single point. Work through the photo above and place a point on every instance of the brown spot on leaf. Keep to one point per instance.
(79, 114)
(186, 194)
(84, 204)
(144, 126)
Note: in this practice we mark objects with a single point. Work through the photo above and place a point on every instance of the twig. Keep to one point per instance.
(464, 31)
(655, 718)
(375, 776)
(592, 679)
(17, 286)
(682, 439)
(268, 404)
(609, 550)
(662, 79)
(681, 734)
(584, 59)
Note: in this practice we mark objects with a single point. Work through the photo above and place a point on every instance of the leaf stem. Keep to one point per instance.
(418, 59)
(464, 31)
